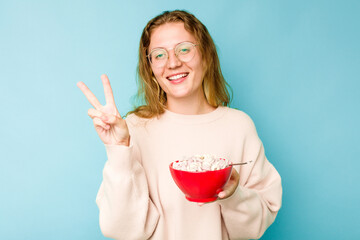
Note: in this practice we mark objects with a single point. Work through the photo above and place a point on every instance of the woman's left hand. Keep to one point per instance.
(230, 186)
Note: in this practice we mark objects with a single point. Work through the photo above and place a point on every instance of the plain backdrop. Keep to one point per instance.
(293, 67)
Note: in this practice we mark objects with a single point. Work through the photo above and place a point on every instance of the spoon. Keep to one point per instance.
(243, 163)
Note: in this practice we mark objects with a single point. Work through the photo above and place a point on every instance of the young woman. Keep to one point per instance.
(185, 113)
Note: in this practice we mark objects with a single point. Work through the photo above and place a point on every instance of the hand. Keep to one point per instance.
(109, 125)
(229, 187)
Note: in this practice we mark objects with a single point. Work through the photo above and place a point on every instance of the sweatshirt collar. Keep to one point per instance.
(194, 119)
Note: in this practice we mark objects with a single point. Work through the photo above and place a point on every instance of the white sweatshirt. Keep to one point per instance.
(138, 198)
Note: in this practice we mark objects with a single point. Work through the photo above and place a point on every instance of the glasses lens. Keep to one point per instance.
(185, 51)
(158, 57)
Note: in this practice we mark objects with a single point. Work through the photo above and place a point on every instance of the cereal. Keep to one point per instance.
(201, 163)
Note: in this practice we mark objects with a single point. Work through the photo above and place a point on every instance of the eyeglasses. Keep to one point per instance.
(184, 51)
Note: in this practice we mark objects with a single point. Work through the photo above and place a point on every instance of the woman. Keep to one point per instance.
(184, 114)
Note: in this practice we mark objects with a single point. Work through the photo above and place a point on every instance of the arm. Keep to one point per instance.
(252, 208)
(126, 211)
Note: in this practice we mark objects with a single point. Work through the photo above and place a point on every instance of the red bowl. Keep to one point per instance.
(201, 186)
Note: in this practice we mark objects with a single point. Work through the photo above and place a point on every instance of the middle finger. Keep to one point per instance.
(89, 95)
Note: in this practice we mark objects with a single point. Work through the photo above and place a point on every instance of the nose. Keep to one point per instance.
(173, 61)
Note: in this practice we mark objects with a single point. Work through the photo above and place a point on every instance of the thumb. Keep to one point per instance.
(110, 119)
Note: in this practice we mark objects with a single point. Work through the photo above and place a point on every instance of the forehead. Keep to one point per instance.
(170, 34)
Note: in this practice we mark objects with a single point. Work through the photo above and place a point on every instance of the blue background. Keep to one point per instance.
(293, 66)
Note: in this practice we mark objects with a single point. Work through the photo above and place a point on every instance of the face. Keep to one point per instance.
(178, 79)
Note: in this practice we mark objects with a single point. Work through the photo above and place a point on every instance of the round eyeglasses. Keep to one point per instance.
(184, 51)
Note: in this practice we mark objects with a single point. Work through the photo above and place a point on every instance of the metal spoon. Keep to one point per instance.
(243, 163)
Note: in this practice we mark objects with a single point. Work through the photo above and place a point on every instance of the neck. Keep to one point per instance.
(190, 105)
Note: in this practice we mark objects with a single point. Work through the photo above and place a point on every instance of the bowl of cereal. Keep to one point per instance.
(201, 177)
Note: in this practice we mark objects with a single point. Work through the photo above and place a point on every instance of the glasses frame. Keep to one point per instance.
(167, 52)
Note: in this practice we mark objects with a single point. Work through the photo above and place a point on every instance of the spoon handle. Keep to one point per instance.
(243, 163)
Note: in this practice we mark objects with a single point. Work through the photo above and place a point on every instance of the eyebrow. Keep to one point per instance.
(170, 48)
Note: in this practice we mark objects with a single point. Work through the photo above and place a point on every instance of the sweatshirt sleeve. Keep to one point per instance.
(255, 203)
(126, 210)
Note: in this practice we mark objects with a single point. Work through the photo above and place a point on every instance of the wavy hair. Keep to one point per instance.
(152, 97)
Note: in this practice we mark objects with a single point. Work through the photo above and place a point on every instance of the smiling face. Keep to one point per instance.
(179, 80)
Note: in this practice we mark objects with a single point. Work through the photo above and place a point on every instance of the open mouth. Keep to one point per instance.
(178, 76)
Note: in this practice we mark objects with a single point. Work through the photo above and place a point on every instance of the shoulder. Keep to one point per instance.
(239, 119)
(131, 118)
(238, 115)
(134, 121)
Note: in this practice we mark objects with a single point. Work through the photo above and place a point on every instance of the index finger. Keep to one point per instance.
(109, 96)
(89, 95)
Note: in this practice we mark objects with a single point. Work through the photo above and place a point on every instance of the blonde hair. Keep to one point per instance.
(149, 91)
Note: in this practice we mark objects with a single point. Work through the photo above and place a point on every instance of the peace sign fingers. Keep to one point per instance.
(89, 95)
(110, 126)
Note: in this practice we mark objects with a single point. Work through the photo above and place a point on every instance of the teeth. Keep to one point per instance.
(177, 76)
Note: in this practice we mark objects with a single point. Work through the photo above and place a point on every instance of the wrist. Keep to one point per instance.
(125, 142)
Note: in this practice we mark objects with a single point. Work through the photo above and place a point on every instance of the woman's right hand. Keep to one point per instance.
(109, 125)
